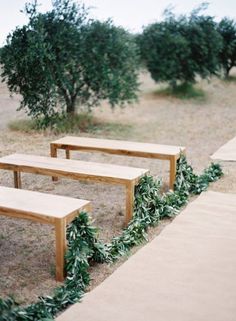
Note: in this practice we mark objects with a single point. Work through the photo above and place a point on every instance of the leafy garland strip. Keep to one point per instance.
(83, 246)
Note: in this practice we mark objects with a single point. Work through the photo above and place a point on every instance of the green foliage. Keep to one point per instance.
(205, 43)
(114, 75)
(183, 91)
(83, 246)
(227, 29)
(10, 311)
(164, 51)
(178, 49)
(190, 183)
(151, 206)
(62, 59)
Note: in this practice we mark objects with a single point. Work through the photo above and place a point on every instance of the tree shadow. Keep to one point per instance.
(183, 91)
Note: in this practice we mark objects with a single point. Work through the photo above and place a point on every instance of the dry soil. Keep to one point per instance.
(27, 261)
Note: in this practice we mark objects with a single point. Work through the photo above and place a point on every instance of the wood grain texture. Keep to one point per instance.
(39, 205)
(17, 179)
(80, 170)
(129, 202)
(43, 208)
(118, 147)
(173, 167)
(71, 168)
(60, 233)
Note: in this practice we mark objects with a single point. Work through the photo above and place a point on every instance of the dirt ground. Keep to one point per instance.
(27, 260)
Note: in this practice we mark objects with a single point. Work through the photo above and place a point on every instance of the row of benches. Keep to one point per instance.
(58, 210)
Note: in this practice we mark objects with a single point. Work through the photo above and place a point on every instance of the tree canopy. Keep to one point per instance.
(181, 48)
(62, 59)
(227, 29)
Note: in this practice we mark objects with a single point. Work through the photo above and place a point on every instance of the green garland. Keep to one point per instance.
(83, 246)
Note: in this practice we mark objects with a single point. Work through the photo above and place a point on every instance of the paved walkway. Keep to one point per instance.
(226, 152)
(187, 273)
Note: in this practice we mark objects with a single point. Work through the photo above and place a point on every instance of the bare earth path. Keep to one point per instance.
(27, 249)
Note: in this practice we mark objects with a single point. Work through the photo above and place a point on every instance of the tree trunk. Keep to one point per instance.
(228, 67)
(70, 106)
(173, 85)
(70, 99)
(227, 70)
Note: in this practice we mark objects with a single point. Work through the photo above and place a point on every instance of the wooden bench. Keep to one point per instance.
(98, 172)
(44, 208)
(119, 147)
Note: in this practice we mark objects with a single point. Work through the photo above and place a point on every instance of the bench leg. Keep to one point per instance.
(67, 153)
(129, 202)
(17, 179)
(173, 162)
(60, 230)
(53, 151)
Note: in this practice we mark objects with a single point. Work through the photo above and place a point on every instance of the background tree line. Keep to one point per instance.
(180, 48)
(62, 60)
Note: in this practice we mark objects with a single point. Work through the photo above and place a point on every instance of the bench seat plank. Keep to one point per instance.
(43, 208)
(38, 206)
(119, 147)
(78, 169)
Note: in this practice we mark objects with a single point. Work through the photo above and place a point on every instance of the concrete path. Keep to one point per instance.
(226, 152)
(187, 273)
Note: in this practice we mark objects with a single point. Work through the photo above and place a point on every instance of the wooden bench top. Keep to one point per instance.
(119, 147)
(39, 206)
(71, 168)
(44, 208)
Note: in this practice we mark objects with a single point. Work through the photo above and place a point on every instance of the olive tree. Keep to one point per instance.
(62, 59)
(165, 51)
(227, 29)
(179, 49)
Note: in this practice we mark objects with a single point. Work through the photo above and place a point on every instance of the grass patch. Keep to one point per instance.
(112, 130)
(230, 79)
(22, 125)
(183, 91)
(81, 123)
